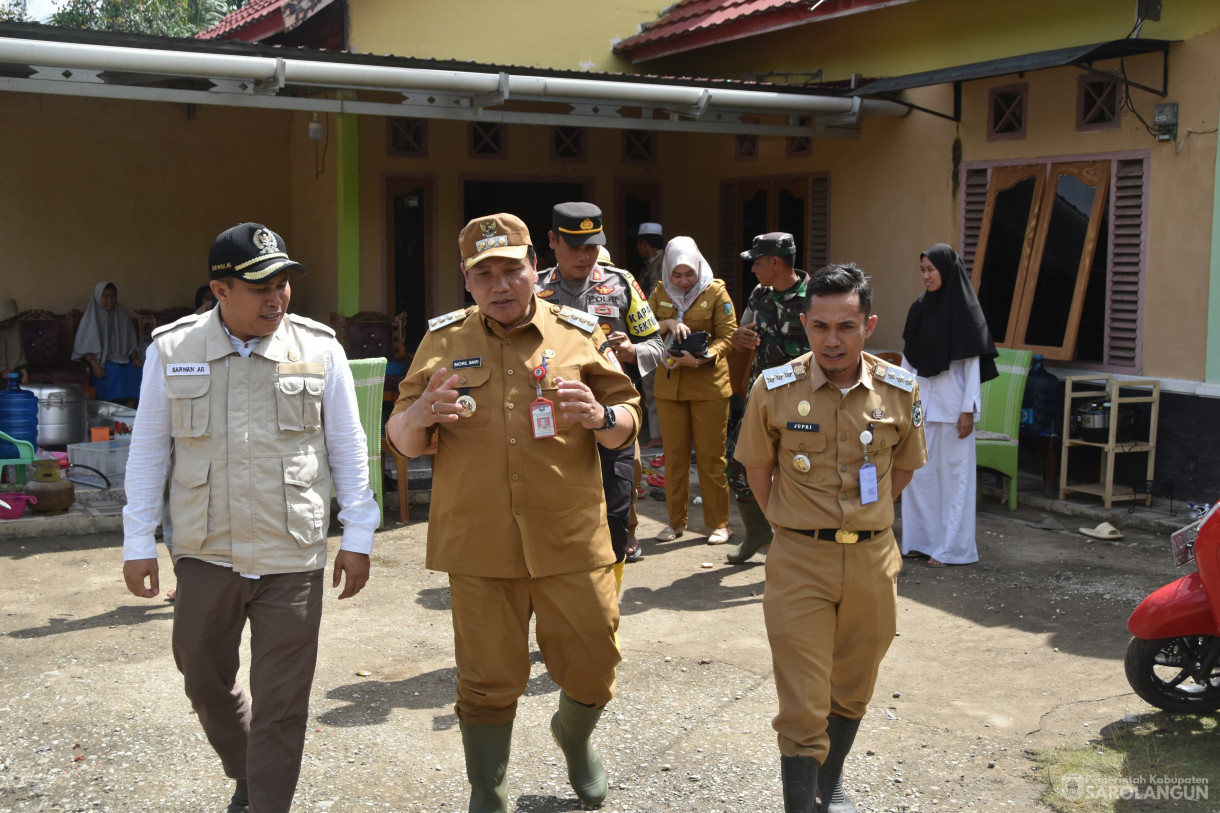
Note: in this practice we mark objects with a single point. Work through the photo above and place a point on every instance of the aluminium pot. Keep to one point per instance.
(63, 414)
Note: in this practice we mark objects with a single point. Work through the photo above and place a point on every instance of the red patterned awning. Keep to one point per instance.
(259, 19)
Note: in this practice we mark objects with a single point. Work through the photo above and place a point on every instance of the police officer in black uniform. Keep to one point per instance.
(616, 300)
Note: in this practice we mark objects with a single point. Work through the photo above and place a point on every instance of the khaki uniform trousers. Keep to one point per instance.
(706, 423)
(284, 610)
(831, 614)
(577, 618)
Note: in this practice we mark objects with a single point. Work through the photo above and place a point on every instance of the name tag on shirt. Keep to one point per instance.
(188, 369)
(796, 426)
(868, 483)
(462, 364)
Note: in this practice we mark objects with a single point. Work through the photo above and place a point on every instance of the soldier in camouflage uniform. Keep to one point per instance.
(615, 299)
(771, 327)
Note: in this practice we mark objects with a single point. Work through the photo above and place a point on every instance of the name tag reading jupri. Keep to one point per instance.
(188, 369)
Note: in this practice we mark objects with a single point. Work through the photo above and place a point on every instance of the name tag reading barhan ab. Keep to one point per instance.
(188, 369)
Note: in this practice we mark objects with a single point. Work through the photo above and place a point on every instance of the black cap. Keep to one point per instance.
(773, 243)
(579, 224)
(251, 252)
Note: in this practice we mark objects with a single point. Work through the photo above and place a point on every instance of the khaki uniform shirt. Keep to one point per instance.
(713, 312)
(250, 483)
(776, 429)
(504, 504)
(613, 297)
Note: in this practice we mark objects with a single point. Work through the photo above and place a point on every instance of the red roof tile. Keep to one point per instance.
(252, 12)
(694, 23)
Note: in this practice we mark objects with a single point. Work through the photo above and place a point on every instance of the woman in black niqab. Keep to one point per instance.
(947, 324)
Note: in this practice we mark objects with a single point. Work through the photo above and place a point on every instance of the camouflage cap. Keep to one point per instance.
(774, 243)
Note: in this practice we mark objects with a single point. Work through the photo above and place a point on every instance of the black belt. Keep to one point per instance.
(828, 534)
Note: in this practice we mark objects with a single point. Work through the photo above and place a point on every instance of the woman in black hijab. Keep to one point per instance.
(949, 348)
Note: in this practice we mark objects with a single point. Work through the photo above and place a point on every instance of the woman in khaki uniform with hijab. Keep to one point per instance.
(692, 393)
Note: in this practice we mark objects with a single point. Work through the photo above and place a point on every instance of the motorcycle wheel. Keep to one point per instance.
(1159, 671)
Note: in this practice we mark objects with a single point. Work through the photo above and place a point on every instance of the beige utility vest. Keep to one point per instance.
(250, 484)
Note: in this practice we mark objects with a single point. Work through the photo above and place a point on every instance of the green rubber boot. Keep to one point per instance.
(487, 748)
(758, 533)
(572, 726)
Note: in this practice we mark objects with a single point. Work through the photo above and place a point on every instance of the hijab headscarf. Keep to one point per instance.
(683, 251)
(947, 324)
(109, 335)
(12, 351)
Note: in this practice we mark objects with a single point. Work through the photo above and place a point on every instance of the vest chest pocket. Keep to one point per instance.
(189, 499)
(473, 383)
(188, 398)
(298, 402)
(304, 483)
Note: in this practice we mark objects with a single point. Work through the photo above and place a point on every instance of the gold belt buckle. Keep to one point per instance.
(845, 537)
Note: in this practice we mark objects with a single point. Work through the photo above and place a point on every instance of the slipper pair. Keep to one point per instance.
(659, 460)
(656, 480)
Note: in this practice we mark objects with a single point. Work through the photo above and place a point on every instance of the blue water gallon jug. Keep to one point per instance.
(1042, 404)
(18, 416)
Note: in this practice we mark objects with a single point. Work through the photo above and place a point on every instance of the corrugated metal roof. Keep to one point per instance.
(252, 12)
(688, 16)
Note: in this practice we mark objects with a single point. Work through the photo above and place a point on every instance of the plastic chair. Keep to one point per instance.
(24, 458)
(369, 378)
(996, 433)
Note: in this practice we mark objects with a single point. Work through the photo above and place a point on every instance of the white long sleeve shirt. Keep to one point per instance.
(148, 459)
(948, 394)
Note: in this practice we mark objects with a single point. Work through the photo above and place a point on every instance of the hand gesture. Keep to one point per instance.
(744, 337)
(577, 403)
(438, 402)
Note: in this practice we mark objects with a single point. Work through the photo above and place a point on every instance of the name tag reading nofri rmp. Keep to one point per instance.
(797, 426)
(462, 364)
(203, 368)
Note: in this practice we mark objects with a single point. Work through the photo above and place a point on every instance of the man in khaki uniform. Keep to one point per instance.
(828, 441)
(520, 394)
(252, 412)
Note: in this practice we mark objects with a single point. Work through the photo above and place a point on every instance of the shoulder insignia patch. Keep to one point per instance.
(898, 377)
(438, 322)
(597, 275)
(580, 319)
(635, 286)
(779, 376)
(546, 293)
(917, 414)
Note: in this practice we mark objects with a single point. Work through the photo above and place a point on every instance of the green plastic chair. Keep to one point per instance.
(25, 458)
(369, 376)
(996, 433)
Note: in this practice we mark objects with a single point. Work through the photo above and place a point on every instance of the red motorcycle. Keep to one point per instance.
(1173, 661)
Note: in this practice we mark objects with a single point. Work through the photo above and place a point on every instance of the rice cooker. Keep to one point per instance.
(63, 413)
(1093, 421)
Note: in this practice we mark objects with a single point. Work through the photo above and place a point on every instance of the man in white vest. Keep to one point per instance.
(251, 412)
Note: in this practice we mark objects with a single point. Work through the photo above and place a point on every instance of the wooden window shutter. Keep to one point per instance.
(817, 243)
(730, 259)
(974, 202)
(1124, 336)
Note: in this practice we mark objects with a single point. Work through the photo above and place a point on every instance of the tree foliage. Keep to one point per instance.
(13, 11)
(167, 18)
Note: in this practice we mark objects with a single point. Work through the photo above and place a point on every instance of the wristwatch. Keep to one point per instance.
(609, 420)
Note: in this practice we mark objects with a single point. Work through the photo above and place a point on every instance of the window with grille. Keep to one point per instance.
(487, 140)
(747, 147)
(801, 145)
(639, 146)
(1098, 103)
(408, 137)
(1006, 112)
(568, 143)
(1057, 252)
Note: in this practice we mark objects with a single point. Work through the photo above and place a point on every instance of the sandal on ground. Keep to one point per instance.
(935, 563)
(635, 550)
(720, 536)
(669, 534)
(658, 460)
(641, 492)
(915, 555)
(656, 480)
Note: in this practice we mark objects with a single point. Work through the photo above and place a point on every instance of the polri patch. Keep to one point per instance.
(462, 364)
(203, 368)
(797, 426)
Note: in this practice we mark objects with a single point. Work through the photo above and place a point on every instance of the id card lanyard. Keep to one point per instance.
(542, 411)
(868, 471)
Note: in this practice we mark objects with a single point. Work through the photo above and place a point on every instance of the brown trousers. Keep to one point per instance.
(706, 424)
(577, 617)
(831, 612)
(263, 745)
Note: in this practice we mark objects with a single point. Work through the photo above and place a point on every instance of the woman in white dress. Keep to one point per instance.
(949, 348)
